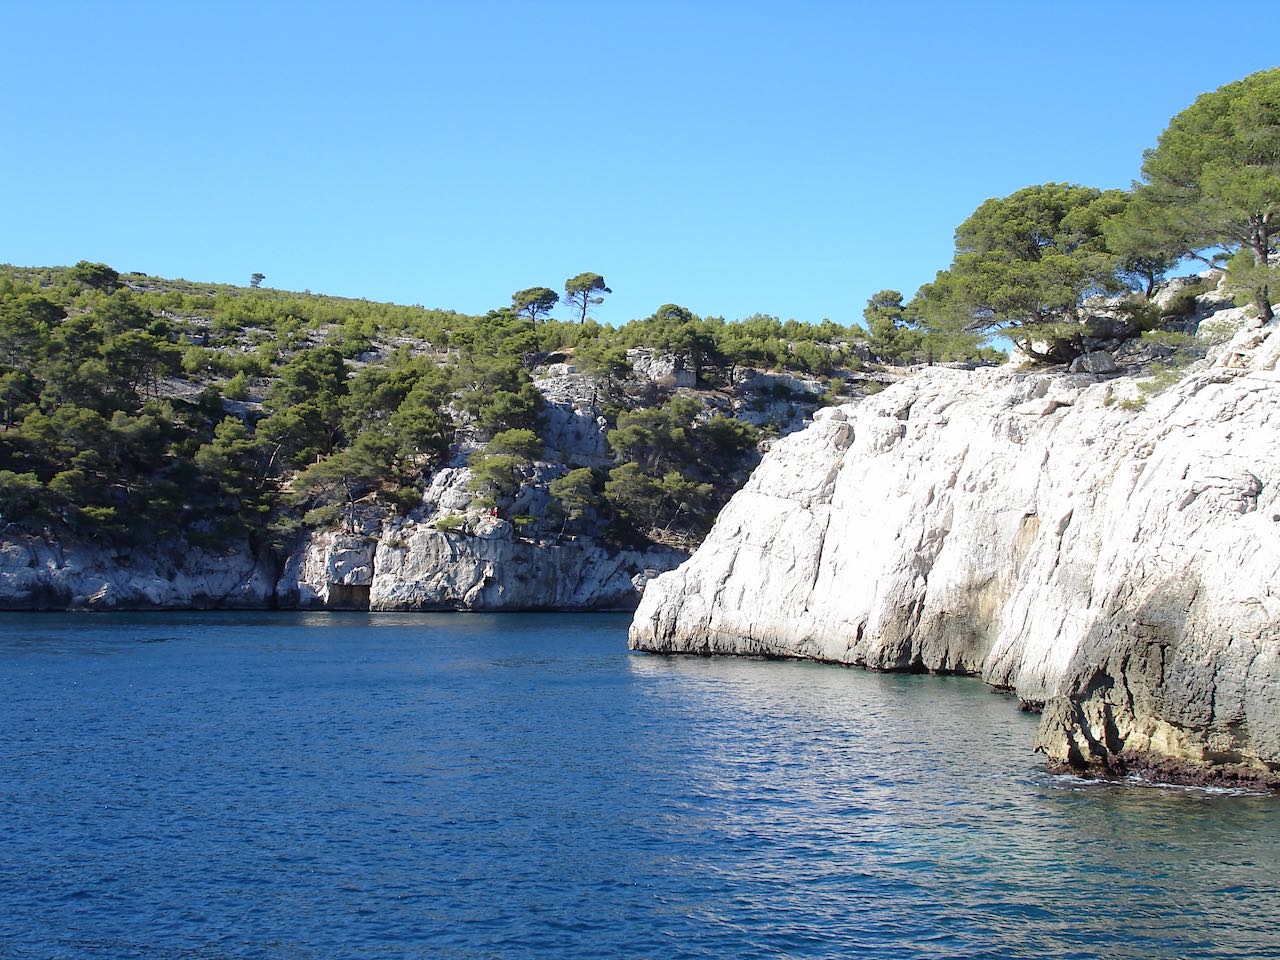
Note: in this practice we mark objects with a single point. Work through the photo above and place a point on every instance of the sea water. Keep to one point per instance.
(514, 786)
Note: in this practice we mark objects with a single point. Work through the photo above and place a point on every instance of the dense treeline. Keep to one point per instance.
(136, 408)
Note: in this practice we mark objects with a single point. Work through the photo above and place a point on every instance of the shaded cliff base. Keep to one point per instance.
(1143, 768)
(43, 575)
(1084, 736)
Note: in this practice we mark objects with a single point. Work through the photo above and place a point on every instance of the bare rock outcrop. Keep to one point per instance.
(1112, 556)
(399, 566)
(484, 565)
(651, 364)
(40, 574)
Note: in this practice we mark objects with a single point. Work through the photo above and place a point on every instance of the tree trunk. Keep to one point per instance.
(1264, 305)
(1260, 244)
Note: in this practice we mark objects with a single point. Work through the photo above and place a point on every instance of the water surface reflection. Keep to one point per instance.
(521, 786)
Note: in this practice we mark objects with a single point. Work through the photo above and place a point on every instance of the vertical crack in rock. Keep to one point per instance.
(817, 567)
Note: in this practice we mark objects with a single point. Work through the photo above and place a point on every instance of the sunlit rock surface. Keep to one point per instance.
(1113, 556)
(484, 566)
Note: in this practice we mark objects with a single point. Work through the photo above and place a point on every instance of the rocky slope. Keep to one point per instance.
(1111, 556)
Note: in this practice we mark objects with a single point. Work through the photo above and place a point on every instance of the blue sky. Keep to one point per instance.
(730, 157)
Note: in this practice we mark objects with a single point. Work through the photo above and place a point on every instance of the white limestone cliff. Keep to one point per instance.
(415, 566)
(400, 567)
(39, 574)
(1113, 557)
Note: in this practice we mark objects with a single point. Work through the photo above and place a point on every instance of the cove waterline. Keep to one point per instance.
(321, 785)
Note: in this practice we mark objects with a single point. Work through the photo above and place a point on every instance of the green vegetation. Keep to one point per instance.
(97, 276)
(1027, 266)
(535, 302)
(1024, 266)
(136, 408)
(914, 333)
(677, 466)
(1183, 303)
(1214, 178)
(498, 472)
(575, 494)
(584, 291)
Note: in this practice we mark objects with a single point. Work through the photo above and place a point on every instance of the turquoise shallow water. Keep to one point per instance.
(308, 786)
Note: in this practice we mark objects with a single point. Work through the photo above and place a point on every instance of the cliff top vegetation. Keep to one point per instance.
(1030, 265)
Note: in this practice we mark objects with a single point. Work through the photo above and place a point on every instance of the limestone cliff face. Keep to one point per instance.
(36, 574)
(404, 567)
(453, 555)
(419, 567)
(1116, 560)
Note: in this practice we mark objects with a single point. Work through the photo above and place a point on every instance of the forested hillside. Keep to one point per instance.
(137, 408)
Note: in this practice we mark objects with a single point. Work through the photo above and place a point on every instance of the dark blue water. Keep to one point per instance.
(307, 786)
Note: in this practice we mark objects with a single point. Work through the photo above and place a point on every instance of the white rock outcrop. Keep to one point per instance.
(573, 427)
(1113, 557)
(37, 574)
(401, 566)
(488, 567)
(329, 570)
(656, 365)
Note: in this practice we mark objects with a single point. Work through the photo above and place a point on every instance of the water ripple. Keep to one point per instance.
(316, 786)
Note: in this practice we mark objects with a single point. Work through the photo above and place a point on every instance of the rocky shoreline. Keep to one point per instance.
(398, 567)
(1107, 552)
(1105, 547)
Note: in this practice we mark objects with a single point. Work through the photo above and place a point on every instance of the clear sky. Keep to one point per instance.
(732, 157)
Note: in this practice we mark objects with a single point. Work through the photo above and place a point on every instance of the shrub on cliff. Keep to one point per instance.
(660, 505)
(574, 494)
(496, 478)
